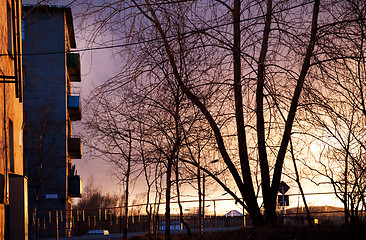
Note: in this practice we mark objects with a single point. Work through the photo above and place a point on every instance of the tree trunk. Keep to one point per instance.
(125, 225)
(199, 201)
(308, 217)
(180, 204)
(156, 218)
(292, 112)
(263, 160)
(167, 197)
(246, 186)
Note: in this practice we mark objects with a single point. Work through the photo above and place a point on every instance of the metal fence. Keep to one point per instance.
(78, 222)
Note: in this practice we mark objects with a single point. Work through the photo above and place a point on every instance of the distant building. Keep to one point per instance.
(233, 213)
(13, 184)
(50, 105)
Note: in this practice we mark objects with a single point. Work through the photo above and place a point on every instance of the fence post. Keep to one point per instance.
(34, 225)
(120, 222)
(57, 233)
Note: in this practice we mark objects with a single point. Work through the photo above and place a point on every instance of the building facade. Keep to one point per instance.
(51, 104)
(13, 183)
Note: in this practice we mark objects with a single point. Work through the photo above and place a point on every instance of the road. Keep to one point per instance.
(115, 236)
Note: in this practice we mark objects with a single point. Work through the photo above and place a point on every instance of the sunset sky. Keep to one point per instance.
(99, 65)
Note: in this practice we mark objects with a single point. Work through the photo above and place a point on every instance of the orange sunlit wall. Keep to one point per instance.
(13, 211)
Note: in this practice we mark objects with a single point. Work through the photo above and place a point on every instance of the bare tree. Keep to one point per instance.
(135, 113)
(244, 66)
(93, 198)
(158, 18)
(338, 108)
(111, 139)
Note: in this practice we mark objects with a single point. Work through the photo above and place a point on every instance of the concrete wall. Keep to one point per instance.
(45, 106)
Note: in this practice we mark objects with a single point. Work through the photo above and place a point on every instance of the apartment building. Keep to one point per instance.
(13, 184)
(51, 104)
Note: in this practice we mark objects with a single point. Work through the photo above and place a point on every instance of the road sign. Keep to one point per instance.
(50, 196)
(283, 200)
(283, 187)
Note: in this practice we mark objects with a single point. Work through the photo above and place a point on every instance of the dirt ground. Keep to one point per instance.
(319, 232)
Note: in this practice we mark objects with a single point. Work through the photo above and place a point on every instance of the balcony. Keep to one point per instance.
(73, 67)
(74, 148)
(73, 106)
(74, 186)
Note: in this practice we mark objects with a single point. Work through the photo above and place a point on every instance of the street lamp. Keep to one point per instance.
(214, 161)
(214, 201)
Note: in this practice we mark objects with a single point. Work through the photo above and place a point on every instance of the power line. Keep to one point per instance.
(158, 38)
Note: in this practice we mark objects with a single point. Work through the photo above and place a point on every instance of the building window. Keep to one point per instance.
(23, 30)
(11, 146)
(24, 75)
(9, 29)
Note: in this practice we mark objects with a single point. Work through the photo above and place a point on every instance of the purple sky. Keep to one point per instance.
(96, 67)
